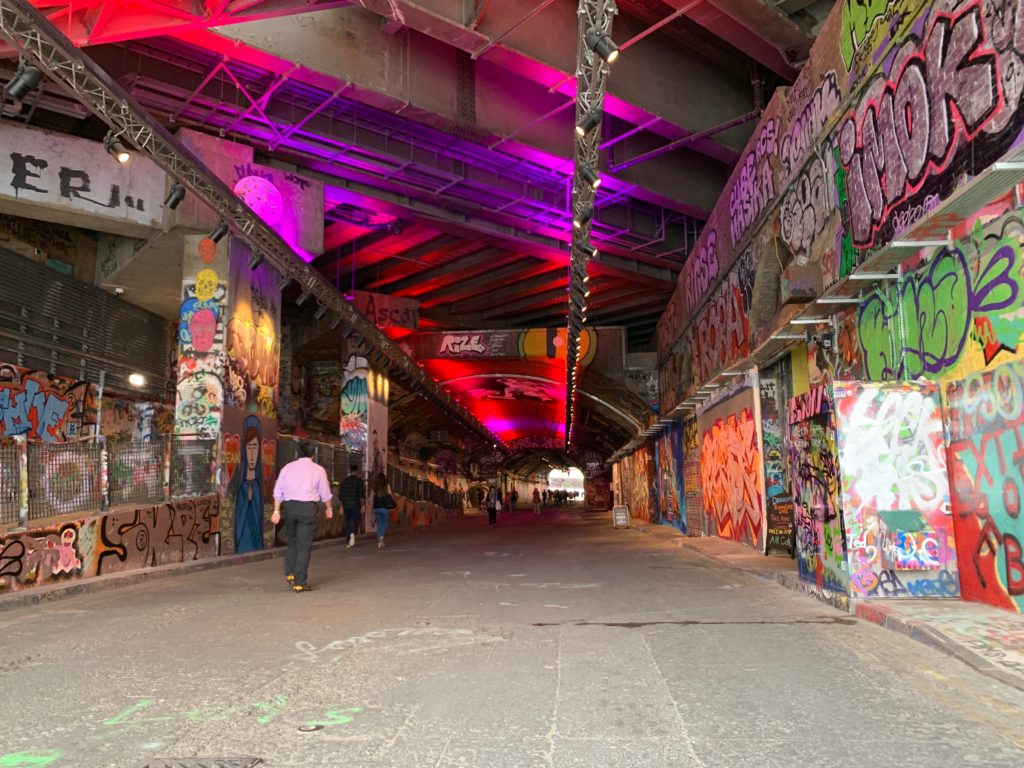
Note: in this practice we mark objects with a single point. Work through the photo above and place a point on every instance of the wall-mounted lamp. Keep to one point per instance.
(590, 176)
(136, 380)
(601, 44)
(218, 232)
(116, 148)
(25, 80)
(175, 196)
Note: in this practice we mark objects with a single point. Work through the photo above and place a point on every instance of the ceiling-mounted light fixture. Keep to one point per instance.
(284, 283)
(255, 260)
(335, 322)
(116, 148)
(320, 312)
(24, 82)
(583, 218)
(590, 176)
(303, 298)
(601, 44)
(175, 196)
(589, 122)
(218, 232)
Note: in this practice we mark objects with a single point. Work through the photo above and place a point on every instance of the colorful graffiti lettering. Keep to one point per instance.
(820, 538)
(730, 477)
(755, 186)
(722, 333)
(44, 407)
(986, 430)
(700, 272)
(909, 127)
(895, 489)
(921, 327)
(668, 452)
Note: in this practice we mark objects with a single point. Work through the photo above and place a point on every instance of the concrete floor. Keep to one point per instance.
(556, 641)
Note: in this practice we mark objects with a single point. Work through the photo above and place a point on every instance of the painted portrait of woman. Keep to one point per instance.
(248, 485)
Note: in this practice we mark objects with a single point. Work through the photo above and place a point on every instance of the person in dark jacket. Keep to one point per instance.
(351, 494)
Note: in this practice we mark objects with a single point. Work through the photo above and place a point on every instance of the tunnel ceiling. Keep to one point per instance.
(443, 132)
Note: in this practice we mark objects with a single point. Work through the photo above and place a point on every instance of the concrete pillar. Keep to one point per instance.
(377, 431)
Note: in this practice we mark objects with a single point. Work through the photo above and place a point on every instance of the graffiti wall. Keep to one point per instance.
(45, 407)
(635, 484)
(732, 469)
(895, 490)
(814, 464)
(693, 500)
(251, 376)
(899, 105)
(378, 388)
(777, 496)
(985, 422)
(668, 483)
(174, 532)
(126, 420)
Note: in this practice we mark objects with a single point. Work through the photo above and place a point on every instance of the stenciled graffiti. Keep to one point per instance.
(910, 126)
(985, 423)
(921, 327)
(43, 407)
(730, 473)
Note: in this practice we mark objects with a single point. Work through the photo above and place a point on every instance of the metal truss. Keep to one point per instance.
(594, 22)
(37, 40)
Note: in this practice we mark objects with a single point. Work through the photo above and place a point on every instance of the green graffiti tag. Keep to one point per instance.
(922, 326)
(869, 24)
(847, 253)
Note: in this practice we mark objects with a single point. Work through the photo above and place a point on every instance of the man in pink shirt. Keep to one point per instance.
(300, 485)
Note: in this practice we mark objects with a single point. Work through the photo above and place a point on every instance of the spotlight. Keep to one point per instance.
(589, 122)
(303, 298)
(588, 175)
(284, 283)
(601, 44)
(116, 147)
(586, 279)
(218, 232)
(320, 312)
(255, 260)
(581, 219)
(586, 293)
(175, 196)
(335, 322)
(24, 82)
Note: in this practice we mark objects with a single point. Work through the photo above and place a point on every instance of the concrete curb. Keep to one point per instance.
(873, 612)
(52, 592)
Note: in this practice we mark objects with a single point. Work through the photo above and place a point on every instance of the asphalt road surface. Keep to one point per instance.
(550, 641)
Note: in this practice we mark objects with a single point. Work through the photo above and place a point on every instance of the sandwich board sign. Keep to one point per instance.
(620, 516)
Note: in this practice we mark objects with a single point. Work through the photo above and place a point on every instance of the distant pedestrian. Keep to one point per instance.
(513, 500)
(493, 500)
(536, 501)
(300, 485)
(381, 507)
(352, 494)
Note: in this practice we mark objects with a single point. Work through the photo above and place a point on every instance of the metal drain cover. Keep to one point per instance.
(204, 762)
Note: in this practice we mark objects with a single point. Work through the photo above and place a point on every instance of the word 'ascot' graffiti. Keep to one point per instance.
(922, 326)
(908, 126)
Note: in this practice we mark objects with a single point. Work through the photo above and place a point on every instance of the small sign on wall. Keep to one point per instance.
(620, 516)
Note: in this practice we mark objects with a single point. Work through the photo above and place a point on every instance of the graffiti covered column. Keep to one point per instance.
(377, 432)
(251, 375)
(202, 351)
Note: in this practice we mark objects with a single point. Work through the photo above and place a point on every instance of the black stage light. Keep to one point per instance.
(24, 82)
